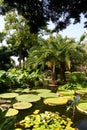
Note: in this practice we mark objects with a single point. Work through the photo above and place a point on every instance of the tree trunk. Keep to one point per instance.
(62, 71)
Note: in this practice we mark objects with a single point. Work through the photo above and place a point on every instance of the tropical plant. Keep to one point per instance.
(19, 78)
(54, 49)
(6, 123)
(46, 121)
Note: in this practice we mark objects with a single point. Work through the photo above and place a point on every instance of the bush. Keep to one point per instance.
(45, 121)
(77, 77)
(70, 86)
(18, 78)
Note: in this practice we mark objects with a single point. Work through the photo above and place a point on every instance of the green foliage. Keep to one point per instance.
(6, 123)
(18, 36)
(5, 58)
(70, 86)
(39, 13)
(46, 121)
(77, 77)
(18, 78)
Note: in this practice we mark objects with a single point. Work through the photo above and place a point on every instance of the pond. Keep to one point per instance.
(79, 120)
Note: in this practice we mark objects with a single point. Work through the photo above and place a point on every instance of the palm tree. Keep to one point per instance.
(54, 49)
(61, 48)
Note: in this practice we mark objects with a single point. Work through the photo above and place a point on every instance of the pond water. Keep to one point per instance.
(79, 120)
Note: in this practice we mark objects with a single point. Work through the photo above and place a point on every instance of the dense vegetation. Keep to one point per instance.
(49, 72)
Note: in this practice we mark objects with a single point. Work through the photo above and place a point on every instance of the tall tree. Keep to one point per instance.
(18, 35)
(39, 12)
(78, 56)
(5, 58)
(56, 50)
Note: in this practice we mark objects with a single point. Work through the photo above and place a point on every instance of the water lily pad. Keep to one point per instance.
(65, 93)
(5, 106)
(11, 112)
(4, 101)
(27, 90)
(22, 105)
(18, 129)
(8, 95)
(81, 92)
(82, 107)
(28, 98)
(43, 90)
(18, 90)
(46, 95)
(56, 101)
(69, 97)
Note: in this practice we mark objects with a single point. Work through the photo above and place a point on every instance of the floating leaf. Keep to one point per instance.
(46, 95)
(8, 95)
(11, 112)
(4, 106)
(18, 90)
(56, 101)
(28, 98)
(65, 93)
(69, 97)
(18, 129)
(4, 101)
(22, 105)
(82, 107)
(27, 90)
(43, 90)
(81, 92)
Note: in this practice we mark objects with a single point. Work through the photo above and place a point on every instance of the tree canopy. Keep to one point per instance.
(39, 12)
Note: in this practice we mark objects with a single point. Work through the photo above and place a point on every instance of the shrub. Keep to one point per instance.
(46, 121)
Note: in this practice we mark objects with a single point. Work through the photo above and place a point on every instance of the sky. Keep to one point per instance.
(73, 31)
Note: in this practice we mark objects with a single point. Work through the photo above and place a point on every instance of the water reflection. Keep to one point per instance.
(82, 124)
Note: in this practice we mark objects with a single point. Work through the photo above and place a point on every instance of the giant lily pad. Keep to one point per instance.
(22, 105)
(46, 95)
(65, 93)
(26, 90)
(5, 106)
(4, 101)
(18, 90)
(11, 112)
(82, 107)
(81, 92)
(8, 95)
(56, 101)
(43, 90)
(28, 98)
